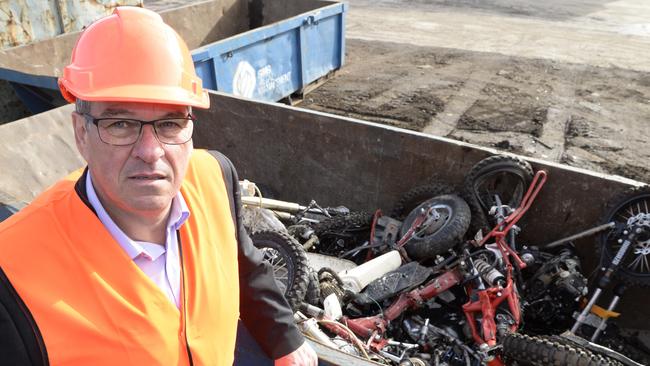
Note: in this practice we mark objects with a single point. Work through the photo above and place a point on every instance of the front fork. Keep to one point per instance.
(606, 279)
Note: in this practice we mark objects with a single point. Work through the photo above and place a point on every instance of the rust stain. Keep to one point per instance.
(49, 20)
(15, 34)
(24, 21)
(26, 25)
(7, 37)
(78, 14)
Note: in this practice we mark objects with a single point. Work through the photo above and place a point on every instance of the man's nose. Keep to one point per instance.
(147, 147)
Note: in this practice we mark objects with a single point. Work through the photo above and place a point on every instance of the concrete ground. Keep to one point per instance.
(567, 81)
(594, 32)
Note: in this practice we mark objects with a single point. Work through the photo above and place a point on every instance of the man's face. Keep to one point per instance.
(140, 179)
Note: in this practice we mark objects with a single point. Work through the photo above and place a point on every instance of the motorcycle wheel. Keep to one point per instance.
(521, 349)
(416, 196)
(635, 267)
(503, 175)
(290, 265)
(441, 234)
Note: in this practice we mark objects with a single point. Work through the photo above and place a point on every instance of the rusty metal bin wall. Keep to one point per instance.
(25, 21)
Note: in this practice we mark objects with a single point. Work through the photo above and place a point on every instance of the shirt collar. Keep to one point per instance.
(179, 212)
(178, 215)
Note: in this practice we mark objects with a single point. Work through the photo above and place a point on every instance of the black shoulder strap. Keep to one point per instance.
(263, 309)
(231, 180)
(80, 188)
(21, 342)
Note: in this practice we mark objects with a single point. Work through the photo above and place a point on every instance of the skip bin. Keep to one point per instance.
(304, 155)
(274, 61)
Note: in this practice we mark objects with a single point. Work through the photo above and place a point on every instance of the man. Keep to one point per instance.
(143, 259)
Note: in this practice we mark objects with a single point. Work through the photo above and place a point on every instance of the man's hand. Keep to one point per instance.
(303, 356)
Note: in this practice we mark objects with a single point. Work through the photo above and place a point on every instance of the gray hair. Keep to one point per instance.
(82, 106)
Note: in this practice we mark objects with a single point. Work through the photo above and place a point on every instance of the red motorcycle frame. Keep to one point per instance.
(373, 328)
(489, 299)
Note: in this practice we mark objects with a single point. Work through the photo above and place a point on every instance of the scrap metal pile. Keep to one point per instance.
(443, 279)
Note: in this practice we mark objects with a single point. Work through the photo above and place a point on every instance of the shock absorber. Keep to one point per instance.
(490, 274)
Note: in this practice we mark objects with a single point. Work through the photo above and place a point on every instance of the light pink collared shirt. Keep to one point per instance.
(160, 264)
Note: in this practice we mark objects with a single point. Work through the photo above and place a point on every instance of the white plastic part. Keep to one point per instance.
(247, 188)
(356, 279)
(318, 261)
(310, 327)
(257, 219)
(271, 204)
(332, 307)
(345, 346)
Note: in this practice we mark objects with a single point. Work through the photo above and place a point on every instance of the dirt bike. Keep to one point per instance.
(624, 247)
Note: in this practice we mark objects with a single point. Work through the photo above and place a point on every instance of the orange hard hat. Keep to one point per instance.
(132, 56)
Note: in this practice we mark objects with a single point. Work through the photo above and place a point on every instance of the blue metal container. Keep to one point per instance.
(277, 60)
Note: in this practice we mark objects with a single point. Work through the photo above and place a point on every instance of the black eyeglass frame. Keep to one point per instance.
(96, 121)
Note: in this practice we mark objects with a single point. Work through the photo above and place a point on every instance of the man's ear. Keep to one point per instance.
(80, 134)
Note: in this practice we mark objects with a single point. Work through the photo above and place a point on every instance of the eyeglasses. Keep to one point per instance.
(126, 131)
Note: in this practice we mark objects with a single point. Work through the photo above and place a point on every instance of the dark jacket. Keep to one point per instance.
(263, 309)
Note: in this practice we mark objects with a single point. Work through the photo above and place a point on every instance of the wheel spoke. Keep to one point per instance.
(269, 257)
(273, 260)
(280, 264)
(277, 268)
(640, 264)
(635, 262)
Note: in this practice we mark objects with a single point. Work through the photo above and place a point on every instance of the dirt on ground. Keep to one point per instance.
(581, 115)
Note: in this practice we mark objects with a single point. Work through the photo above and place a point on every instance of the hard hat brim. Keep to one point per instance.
(141, 94)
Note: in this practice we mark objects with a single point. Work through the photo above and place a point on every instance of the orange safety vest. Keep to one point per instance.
(94, 306)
